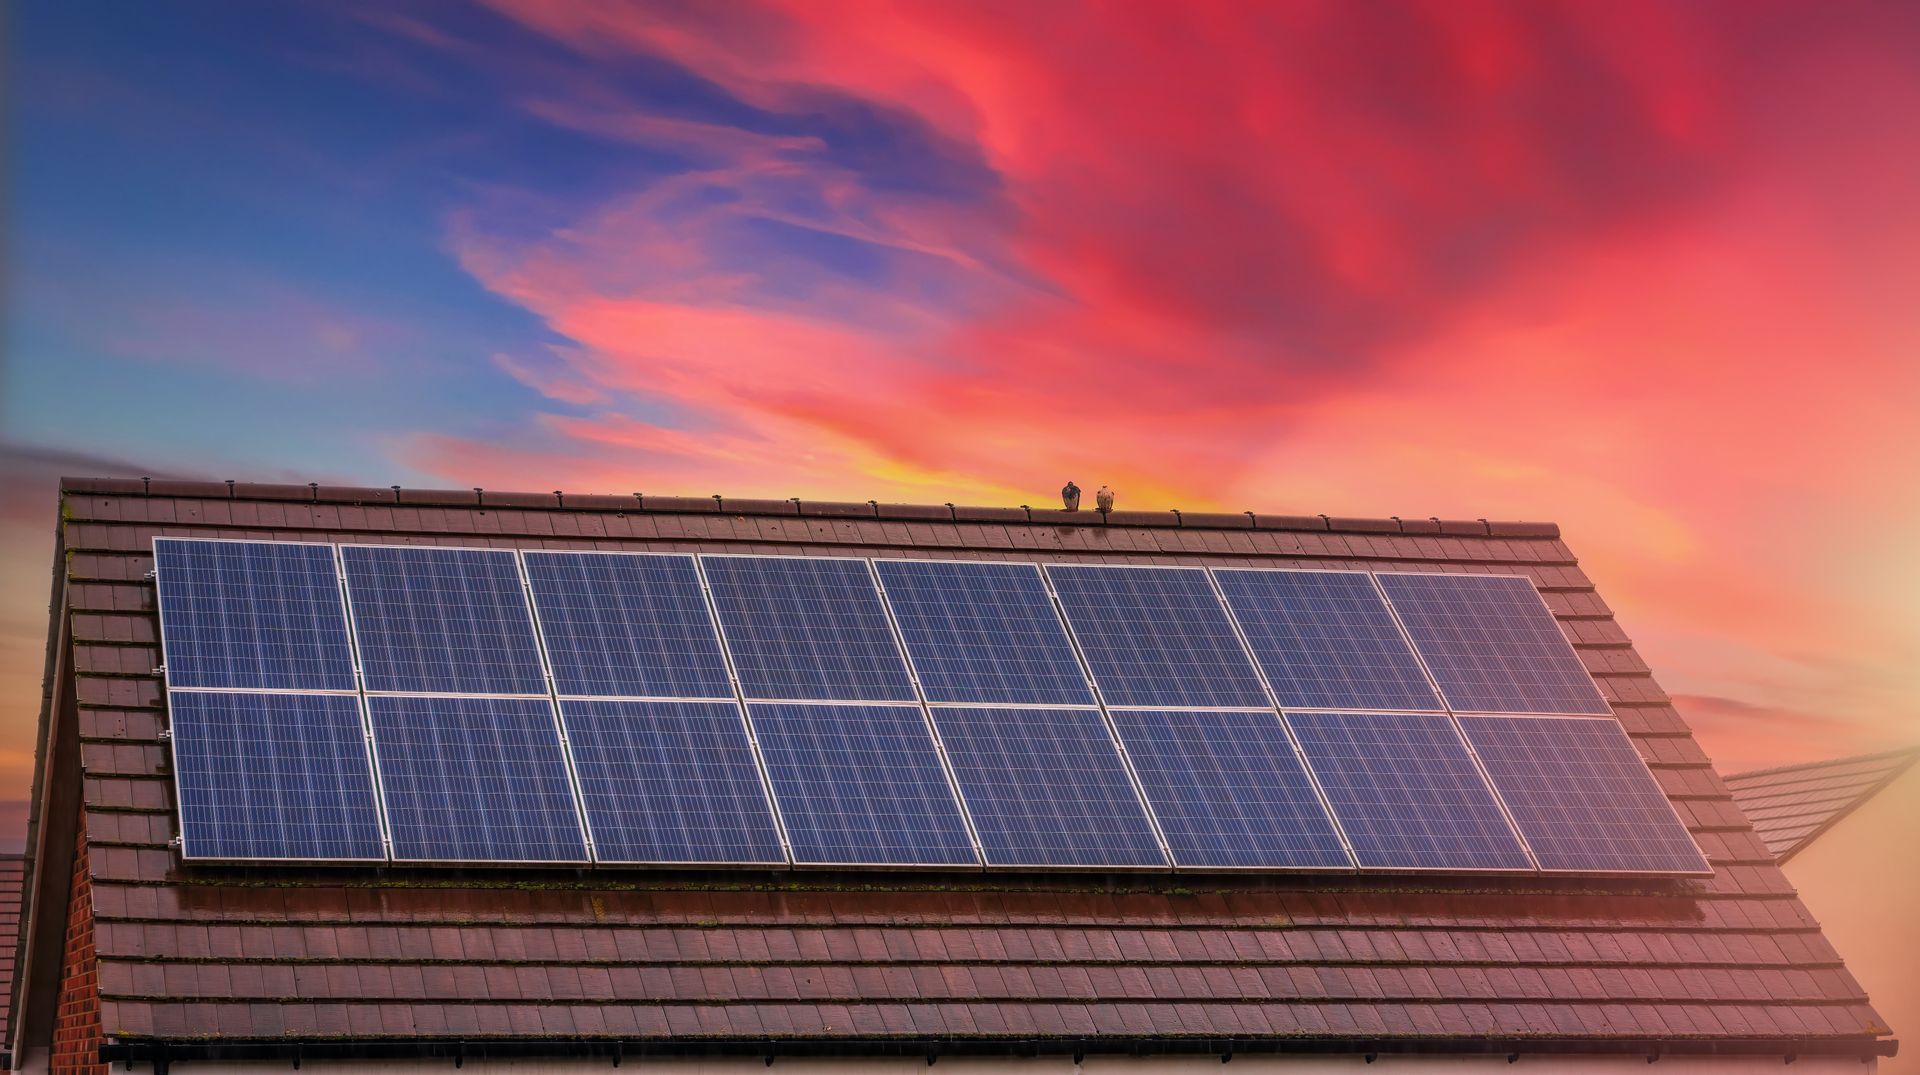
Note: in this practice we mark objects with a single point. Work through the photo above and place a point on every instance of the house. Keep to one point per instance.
(1844, 833)
(133, 951)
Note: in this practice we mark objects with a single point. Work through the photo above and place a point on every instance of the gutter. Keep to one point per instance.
(162, 1053)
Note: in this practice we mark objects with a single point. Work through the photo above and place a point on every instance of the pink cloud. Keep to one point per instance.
(1612, 264)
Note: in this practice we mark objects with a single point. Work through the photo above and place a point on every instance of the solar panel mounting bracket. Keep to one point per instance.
(159, 669)
(164, 735)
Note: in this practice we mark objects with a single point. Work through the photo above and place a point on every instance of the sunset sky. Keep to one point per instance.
(1651, 271)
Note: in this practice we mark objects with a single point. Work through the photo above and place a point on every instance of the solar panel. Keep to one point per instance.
(1406, 792)
(983, 632)
(807, 629)
(1046, 787)
(273, 776)
(861, 784)
(1229, 790)
(1582, 796)
(670, 782)
(1156, 637)
(252, 614)
(1326, 640)
(623, 624)
(1492, 644)
(475, 780)
(443, 621)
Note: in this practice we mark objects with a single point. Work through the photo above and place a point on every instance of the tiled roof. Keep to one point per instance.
(12, 869)
(831, 959)
(1791, 805)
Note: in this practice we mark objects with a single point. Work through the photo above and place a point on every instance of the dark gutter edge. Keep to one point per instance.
(161, 1053)
(315, 493)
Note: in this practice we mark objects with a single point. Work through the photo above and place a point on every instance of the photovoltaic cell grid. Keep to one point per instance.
(627, 625)
(1492, 645)
(861, 784)
(442, 621)
(983, 632)
(1406, 792)
(475, 780)
(252, 614)
(1229, 791)
(467, 779)
(273, 776)
(1326, 640)
(1582, 796)
(807, 629)
(1045, 787)
(1156, 637)
(670, 782)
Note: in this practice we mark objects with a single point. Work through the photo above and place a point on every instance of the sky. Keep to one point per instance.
(1648, 270)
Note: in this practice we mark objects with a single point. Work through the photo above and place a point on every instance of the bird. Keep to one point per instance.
(1070, 496)
(1103, 499)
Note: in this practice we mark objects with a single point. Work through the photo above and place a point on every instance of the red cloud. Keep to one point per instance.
(1626, 265)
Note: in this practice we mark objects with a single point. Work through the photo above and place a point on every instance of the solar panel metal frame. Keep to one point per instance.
(706, 596)
(1313, 781)
(1574, 872)
(1053, 601)
(726, 644)
(773, 808)
(526, 599)
(1439, 701)
(553, 705)
(358, 693)
(1126, 764)
(1086, 664)
(738, 702)
(339, 577)
(366, 746)
(1480, 769)
(940, 751)
(566, 756)
(1435, 680)
(1099, 705)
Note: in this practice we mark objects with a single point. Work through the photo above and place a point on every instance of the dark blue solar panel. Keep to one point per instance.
(1326, 640)
(627, 625)
(861, 784)
(1045, 787)
(252, 614)
(475, 780)
(670, 782)
(1406, 792)
(1492, 644)
(273, 776)
(981, 632)
(1229, 790)
(1582, 796)
(442, 620)
(1157, 637)
(807, 628)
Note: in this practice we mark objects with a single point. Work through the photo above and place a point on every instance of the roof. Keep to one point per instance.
(12, 871)
(1792, 805)
(845, 962)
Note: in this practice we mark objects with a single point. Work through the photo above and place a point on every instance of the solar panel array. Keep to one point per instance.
(428, 704)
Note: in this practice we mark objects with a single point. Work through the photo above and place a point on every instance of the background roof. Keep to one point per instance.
(1792, 804)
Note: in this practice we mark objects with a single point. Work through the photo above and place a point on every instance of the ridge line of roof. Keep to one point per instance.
(1911, 753)
(559, 500)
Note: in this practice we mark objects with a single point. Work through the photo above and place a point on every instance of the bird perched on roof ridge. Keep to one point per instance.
(1070, 496)
(1103, 499)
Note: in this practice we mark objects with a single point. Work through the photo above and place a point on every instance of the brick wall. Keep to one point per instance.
(76, 1029)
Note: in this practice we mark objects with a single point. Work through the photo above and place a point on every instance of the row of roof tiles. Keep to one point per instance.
(315, 493)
